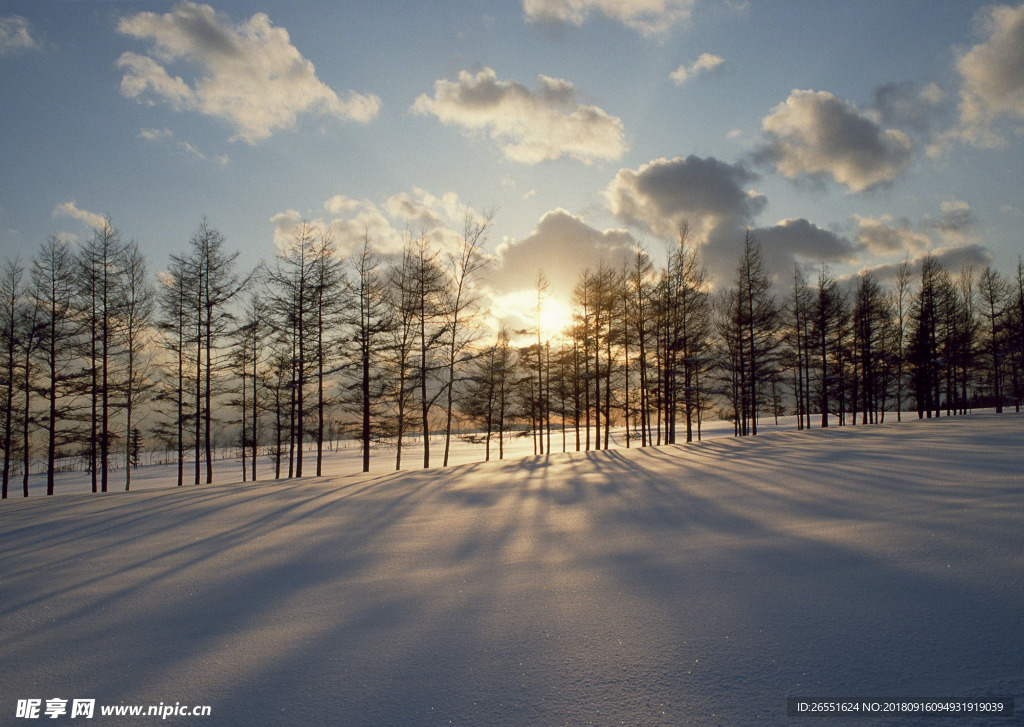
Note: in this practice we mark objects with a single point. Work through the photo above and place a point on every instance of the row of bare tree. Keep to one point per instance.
(308, 348)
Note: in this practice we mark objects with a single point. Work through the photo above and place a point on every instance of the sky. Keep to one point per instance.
(853, 135)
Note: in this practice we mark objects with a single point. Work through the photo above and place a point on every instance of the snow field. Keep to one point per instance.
(666, 586)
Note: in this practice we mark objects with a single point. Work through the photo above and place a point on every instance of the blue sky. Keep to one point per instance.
(847, 134)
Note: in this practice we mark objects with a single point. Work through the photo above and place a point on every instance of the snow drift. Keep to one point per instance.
(699, 584)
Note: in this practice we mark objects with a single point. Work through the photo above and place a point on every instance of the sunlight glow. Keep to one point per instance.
(518, 311)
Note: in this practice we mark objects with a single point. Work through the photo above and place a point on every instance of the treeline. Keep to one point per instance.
(307, 348)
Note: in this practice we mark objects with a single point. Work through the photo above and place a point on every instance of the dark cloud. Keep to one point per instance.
(908, 105)
(707, 193)
(950, 258)
(783, 245)
(562, 245)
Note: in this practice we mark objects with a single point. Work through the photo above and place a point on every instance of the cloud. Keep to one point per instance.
(885, 235)
(439, 217)
(348, 220)
(817, 134)
(562, 244)
(802, 240)
(70, 209)
(649, 17)
(950, 258)
(705, 63)
(907, 105)
(424, 210)
(992, 76)
(15, 36)
(705, 192)
(166, 136)
(247, 74)
(531, 125)
(956, 223)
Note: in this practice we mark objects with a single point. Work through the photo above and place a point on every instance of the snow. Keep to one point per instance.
(690, 584)
(343, 457)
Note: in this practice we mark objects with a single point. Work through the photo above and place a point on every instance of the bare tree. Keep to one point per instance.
(461, 300)
(177, 284)
(327, 298)
(901, 300)
(369, 321)
(100, 269)
(993, 293)
(640, 282)
(215, 285)
(426, 287)
(488, 400)
(12, 312)
(759, 317)
(135, 331)
(404, 303)
(53, 290)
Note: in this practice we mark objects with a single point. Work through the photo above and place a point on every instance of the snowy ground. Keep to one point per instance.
(674, 586)
(343, 458)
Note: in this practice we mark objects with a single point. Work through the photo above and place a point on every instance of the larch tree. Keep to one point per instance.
(53, 291)
(827, 331)
(426, 284)
(923, 350)
(901, 304)
(639, 286)
(759, 325)
(12, 311)
(177, 327)
(799, 310)
(327, 301)
(688, 328)
(100, 268)
(368, 322)
(400, 365)
(993, 293)
(461, 308)
(215, 286)
(135, 332)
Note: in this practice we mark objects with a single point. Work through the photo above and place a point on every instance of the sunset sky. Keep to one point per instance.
(853, 134)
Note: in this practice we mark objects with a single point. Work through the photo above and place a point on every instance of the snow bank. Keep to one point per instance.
(678, 585)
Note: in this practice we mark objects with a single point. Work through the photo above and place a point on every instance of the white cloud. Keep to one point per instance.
(15, 36)
(348, 220)
(531, 125)
(562, 245)
(957, 223)
(439, 217)
(705, 63)
(248, 74)
(166, 136)
(649, 17)
(705, 192)
(886, 235)
(992, 74)
(71, 209)
(814, 133)
(422, 209)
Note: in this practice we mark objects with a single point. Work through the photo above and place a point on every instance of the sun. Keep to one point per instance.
(518, 311)
(555, 319)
